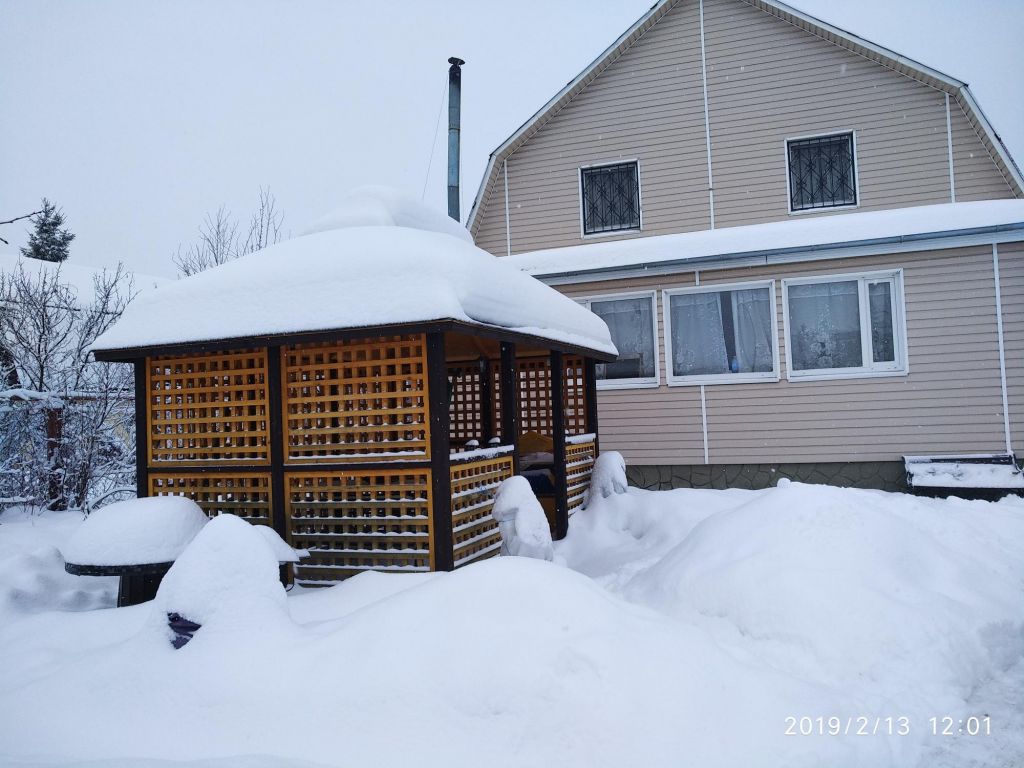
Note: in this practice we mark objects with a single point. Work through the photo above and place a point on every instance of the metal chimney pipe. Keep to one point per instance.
(454, 128)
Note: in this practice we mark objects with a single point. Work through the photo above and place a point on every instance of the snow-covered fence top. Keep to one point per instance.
(381, 260)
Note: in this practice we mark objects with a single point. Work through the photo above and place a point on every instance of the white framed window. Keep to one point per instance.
(721, 334)
(610, 198)
(822, 172)
(632, 320)
(843, 326)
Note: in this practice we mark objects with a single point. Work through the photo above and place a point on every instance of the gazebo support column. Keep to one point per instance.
(275, 423)
(441, 543)
(509, 392)
(486, 403)
(590, 396)
(141, 429)
(558, 444)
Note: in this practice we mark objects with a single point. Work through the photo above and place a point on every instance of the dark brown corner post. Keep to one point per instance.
(275, 422)
(442, 544)
(486, 402)
(590, 396)
(509, 392)
(558, 444)
(141, 429)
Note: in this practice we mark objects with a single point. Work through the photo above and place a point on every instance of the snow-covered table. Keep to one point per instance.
(137, 540)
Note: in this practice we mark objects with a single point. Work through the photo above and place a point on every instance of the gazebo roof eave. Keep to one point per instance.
(129, 354)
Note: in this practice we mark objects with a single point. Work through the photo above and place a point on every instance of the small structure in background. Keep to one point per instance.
(331, 386)
(986, 475)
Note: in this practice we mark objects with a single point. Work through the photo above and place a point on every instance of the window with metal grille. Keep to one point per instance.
(611, 198)
(822, 172)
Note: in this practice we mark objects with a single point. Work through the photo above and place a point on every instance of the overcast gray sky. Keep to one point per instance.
(138, 117)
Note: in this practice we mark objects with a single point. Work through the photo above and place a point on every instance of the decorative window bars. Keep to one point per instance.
(822, 172)
(610, 198)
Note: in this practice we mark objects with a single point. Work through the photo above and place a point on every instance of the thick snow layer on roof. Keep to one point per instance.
(137, 531)
(800, 232)
(79, 277)
(353, 276)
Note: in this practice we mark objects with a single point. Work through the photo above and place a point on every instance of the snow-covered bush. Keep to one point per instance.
(609, 476)
(521, 520)
(66, 422)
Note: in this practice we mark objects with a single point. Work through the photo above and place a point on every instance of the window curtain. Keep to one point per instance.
(632, 329)
(824, 325)
(698, 335)
(753, 326)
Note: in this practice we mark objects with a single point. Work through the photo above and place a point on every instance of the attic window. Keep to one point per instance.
(822, 172)
(611, 198)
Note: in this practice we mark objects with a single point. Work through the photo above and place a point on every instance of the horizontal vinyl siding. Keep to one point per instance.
(1011, 274)
(949, 402)
(491, 234)
(648, 106)
(769, 81)
(975, 174)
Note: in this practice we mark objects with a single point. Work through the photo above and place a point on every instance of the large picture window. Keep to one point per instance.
(845, 326)
(611, 198)
(721, 334)
(632, 320)
(822, 172)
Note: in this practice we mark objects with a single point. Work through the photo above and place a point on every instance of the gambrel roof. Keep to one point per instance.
(957, 89)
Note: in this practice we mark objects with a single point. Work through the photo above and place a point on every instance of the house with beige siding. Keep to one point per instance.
(809, 249)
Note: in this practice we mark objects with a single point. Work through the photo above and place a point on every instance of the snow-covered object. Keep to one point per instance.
(524, 526)
(356, 277)
(228, 572)
(957, 474)
(755, 239)
(608, 476)
(280, 548)
(136, 531)
(379, 206)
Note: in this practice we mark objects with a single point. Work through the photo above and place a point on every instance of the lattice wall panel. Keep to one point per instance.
(579, 466)
(356, 400)
(361, 520)
(208, 408)
(244, 494)
(535, 395)
(465, 404)
(475, 534)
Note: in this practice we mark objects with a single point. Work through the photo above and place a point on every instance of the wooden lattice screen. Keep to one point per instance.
(356, 400)
(465, 404)
(535, 395)
(246, 494)
(353, 521)
(208, 408)
(579, 466)
(475, 534)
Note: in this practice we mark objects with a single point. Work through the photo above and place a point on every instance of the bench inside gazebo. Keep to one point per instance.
(364, 389)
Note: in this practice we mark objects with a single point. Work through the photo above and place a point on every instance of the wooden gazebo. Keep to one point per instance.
(374, 445)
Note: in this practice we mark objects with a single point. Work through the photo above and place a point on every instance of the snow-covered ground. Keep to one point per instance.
(673, 628)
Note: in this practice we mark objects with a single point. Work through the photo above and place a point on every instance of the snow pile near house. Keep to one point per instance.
(957, 474)
(356, 276)
(32, 575)
(524, 526)
(608, 476)
(136, 531)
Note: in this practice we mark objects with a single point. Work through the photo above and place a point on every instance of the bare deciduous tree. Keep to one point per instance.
(219, 241)
(67, 425)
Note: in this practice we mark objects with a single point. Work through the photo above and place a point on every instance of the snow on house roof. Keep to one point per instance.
(79, 277)
(882, 229)
(380, 260)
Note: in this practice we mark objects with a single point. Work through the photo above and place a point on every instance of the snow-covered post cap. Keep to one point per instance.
(136, 532)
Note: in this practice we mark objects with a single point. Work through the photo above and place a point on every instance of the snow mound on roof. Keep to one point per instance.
(379, 206)
(355, 277)
(136, 531)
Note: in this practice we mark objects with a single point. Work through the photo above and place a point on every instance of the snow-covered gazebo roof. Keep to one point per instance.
(380, 260)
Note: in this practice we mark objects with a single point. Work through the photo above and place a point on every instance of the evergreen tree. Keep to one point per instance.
(50, 240)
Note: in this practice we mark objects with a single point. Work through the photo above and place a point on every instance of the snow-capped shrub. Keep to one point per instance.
(521, 519)
(609, 476)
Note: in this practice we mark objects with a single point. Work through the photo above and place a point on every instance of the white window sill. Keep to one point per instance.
(733, 378)
(832, 375)
(611, 233)
(627, 384)
(825, 209)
